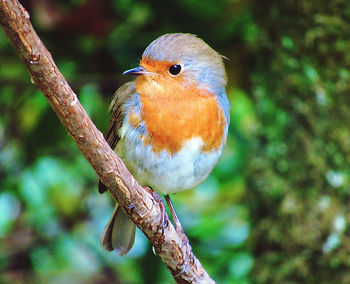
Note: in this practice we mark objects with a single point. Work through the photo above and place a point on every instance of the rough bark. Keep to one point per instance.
(142, 205)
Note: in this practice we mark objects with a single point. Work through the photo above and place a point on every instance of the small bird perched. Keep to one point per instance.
(169, 126)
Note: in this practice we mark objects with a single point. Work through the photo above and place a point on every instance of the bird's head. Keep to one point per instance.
(183, 60)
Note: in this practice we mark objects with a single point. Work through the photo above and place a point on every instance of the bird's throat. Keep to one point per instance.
(173, 114)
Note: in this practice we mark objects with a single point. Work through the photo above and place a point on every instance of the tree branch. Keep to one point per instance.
(142, 205)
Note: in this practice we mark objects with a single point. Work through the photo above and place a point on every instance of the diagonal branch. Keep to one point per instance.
(143, 206)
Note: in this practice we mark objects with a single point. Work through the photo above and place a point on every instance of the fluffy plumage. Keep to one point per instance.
(168, 129)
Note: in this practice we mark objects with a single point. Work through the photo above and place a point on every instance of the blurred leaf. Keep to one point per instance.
(240, 265)
(9, 211)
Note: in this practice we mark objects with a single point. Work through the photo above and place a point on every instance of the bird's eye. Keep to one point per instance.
(175, 69)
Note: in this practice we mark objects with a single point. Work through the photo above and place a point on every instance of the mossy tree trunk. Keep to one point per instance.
(299, 171)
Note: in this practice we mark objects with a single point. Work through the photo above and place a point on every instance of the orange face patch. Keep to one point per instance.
(174, 112)
(159, 67)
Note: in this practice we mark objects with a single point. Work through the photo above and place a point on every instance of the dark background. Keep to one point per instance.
(275, 209)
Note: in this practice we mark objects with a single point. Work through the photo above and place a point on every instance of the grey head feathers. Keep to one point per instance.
(200, 63)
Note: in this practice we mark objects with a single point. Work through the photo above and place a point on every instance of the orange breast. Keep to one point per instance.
(174, 114)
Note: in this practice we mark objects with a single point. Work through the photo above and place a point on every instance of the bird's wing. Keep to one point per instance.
(117, 111)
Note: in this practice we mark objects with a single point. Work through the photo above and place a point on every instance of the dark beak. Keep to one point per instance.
(138, 71)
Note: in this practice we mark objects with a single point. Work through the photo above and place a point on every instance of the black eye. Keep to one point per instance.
(175, 69)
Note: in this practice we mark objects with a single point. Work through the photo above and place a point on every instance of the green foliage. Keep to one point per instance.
(275, 208)
(300, 159)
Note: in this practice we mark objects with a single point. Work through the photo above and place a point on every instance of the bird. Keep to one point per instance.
(169, 125)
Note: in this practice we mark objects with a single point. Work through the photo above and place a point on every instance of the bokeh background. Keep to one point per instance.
(276, 207)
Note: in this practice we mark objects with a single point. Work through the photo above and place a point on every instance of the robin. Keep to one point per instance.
(169, 126)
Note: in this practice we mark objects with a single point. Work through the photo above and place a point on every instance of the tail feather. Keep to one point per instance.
(119, 233)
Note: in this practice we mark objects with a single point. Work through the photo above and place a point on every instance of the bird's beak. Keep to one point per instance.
(138, 71)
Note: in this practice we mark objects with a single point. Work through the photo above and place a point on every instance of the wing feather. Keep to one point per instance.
(117, 110)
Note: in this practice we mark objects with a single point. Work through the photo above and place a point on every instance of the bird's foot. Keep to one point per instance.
(163, 222)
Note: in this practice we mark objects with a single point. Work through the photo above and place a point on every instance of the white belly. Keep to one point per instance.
(163, 172)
